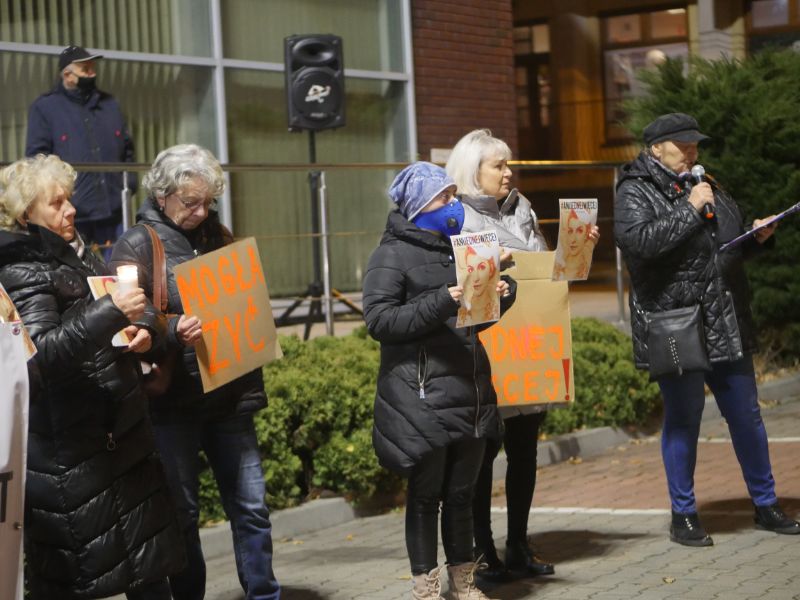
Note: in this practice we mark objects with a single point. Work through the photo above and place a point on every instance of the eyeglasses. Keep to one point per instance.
(191, 203)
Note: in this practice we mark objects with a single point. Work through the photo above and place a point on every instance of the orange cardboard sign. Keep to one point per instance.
(227, 291)
(530, 348)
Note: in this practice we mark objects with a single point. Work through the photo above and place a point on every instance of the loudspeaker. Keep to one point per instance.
(314, 81)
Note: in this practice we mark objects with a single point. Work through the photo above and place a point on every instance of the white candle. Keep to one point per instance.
(127, 277)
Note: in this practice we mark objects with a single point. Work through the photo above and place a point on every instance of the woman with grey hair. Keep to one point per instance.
(99, 520)
(479, 166)
(182, 186)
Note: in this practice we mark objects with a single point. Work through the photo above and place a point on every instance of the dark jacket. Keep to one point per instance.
(185, 398)
(83, 129)
(99, 518)
(668, 249)
(434, 383)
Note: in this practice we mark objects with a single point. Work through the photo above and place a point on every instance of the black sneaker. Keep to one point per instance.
(686, 530)
(772, 518)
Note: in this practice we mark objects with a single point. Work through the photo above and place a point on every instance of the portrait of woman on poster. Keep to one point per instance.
(480, 303)
(574, 255)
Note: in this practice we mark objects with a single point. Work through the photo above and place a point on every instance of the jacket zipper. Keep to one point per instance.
(422, 371)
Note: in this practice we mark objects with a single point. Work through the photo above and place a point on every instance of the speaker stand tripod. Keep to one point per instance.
(319, 289)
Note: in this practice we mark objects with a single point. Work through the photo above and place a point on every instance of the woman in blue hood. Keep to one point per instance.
(435, 404)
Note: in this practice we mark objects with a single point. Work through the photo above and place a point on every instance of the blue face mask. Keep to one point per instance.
(448, 220)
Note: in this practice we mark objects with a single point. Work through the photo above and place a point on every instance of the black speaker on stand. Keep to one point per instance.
(314, 76)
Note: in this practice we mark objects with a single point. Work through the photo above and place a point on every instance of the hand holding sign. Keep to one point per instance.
(190, 330)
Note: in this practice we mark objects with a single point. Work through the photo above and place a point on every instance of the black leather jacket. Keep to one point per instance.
(671, 252)
(185, 398)
(434, 383)
(99, 518)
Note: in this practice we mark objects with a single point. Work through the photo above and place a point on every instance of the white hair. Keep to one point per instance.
(25, 181)
(468, 154)
(180, 164)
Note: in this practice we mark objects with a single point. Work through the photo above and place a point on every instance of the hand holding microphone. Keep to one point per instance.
(702, 196)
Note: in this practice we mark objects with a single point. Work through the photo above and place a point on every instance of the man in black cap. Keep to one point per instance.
(82, 124)
(671, 246)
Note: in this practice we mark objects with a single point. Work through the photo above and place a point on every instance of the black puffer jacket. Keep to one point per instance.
(668, 249)
(185, 398)
(434, 384)
(99, 519)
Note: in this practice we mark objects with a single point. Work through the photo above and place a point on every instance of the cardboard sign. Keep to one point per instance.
(227, 291)
(530, 348)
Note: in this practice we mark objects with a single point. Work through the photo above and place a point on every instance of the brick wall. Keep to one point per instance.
(463, 70)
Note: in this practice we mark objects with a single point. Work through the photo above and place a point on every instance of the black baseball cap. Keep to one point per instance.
(73, 54)
(673, 127)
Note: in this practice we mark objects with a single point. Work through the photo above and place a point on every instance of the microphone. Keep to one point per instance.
(699, 174)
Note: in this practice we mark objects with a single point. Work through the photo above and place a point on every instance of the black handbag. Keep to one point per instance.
(676, 341)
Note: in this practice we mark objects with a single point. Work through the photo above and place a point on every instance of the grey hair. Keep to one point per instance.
(24, 181)
(178, 165)
(468, 154)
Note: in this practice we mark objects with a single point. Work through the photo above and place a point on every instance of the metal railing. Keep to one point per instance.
(324, 233)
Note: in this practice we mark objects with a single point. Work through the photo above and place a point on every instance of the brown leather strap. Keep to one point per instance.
(159, 271)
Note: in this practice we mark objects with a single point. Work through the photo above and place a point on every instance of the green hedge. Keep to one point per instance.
(316, 434)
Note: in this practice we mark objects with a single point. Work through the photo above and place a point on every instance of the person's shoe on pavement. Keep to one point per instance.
(462, 582)
(772, 518)
(427, 586)
(520, 557)
(494, 571)
(687, 530)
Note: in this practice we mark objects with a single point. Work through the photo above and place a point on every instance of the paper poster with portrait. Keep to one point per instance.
(100, 286)
(477, 257)
(9, 314)
(575, 246)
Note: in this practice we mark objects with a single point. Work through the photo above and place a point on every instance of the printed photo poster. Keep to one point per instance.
(100, 286)
(9, 314)
(477, 257)
(575, 248)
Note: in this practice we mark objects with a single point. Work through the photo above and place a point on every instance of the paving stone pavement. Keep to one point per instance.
(602, 521)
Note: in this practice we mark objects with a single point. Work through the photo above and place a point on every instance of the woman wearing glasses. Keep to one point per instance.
(181, 187)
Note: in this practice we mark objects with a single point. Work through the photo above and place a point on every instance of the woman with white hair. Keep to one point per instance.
(99, 520)
(182, 187)
(479, 166)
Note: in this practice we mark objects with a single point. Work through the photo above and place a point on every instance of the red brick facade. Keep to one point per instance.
(463, 70)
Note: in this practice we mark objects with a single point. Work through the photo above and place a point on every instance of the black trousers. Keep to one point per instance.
(520, 441)
(446, 476)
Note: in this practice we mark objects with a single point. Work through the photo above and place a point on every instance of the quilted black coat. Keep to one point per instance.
(185, 398)
(668, 248)
(434, 383)
(99, 519)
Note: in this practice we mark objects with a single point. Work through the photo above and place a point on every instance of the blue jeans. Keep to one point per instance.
(734, 387)
(232, 451)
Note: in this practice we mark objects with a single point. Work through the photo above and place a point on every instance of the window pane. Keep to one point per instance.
(175, 105)
(522, 40)
(668, 23)
(623, 29)
(275, 206)
(541, 39)
(770, 13)
(162, 27)
(370, 29)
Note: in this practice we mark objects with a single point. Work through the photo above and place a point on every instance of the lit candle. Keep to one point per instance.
(127, 277)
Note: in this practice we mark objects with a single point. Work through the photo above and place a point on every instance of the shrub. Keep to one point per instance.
(751, 110)
(316, 433)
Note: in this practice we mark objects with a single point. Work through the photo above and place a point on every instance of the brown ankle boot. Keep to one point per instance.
(462, 582)
(427, 586)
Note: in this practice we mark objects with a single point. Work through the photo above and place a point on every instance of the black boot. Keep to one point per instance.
(686, 530)
(494, 571)
(520, 557)
(772, 518)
